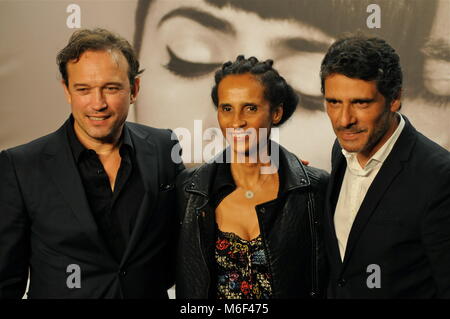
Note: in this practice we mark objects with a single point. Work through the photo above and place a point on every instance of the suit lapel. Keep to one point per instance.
(387, 174)
(60, 165)
(375, 193)
(147, 161)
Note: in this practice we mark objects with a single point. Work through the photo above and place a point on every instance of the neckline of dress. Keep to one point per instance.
(234, 235)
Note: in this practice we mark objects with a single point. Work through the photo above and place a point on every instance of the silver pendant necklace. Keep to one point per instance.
(249, 194)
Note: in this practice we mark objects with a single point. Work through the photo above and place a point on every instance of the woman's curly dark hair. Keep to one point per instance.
(276, 90)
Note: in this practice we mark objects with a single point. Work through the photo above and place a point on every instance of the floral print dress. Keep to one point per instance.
(243, 268)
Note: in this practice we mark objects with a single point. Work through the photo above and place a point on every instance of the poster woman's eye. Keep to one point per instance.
(310, 102)
(188, 69)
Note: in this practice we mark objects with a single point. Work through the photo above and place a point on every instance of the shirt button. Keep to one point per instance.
(99, 171)
(262, 210)
(122, 273)
(341, 283)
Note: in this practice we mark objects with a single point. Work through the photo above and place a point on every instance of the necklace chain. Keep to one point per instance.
(249, 194)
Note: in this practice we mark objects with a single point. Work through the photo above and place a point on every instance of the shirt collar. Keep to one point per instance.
(378, 158)
(78, 149)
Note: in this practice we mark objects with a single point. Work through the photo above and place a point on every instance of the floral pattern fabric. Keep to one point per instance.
(243, 270)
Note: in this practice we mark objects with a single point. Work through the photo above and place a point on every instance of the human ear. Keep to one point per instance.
(135, 90)
(277, 114)
(66, 92)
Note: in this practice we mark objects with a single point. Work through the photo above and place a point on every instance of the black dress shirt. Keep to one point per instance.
(115, 212)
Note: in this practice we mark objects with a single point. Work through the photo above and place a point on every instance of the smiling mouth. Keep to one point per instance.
(98, 118)
(239, 134)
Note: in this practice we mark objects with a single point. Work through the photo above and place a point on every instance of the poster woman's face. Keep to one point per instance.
(184, 42)
(430, 113)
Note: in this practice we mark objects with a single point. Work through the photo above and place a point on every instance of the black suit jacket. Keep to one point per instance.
(402, 226)
(46, 224)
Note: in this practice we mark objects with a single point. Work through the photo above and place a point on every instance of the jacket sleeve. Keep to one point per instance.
(175, 159)
(14, 233)
(182, 196)
(436, 233)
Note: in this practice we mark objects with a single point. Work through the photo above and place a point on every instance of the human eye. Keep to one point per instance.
(82, 90)
(309, 92)
(251, 108)
(226, 108)
(310, 102)
(362, 103)
(186, 68)
(112, 89)
(332, 102)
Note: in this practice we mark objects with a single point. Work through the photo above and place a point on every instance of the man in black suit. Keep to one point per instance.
(87, 211)
(388, 202)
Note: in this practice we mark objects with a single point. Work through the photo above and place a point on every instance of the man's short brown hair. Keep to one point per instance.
(97, 40)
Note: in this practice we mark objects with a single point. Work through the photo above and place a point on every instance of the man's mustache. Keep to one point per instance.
(350, 130)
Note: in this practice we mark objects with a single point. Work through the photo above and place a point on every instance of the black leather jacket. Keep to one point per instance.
(292, 232)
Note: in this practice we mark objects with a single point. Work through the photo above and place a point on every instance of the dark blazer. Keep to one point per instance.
(46, 224)
(402, 226)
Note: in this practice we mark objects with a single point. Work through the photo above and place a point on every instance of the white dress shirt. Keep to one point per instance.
(355, 184)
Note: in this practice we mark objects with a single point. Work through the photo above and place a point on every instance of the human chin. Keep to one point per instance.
(105, 134)
(350, 147)
(104, 131)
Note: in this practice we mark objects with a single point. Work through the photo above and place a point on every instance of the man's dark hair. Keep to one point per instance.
(97, 40)
(276, 90)
(365, 58)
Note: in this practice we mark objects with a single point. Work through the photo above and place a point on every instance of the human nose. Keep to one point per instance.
(98, 100)
(238, 121)
(346, 116)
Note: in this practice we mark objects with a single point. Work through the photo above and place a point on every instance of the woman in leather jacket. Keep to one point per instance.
(251, 224)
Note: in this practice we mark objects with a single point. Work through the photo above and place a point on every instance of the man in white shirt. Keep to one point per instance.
(387, 223)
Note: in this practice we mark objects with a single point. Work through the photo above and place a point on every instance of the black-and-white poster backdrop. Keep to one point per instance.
(182, 42)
